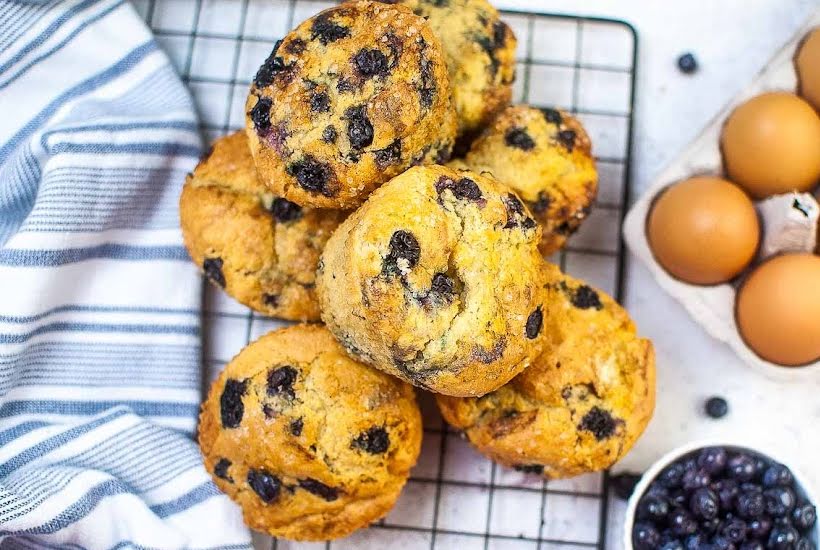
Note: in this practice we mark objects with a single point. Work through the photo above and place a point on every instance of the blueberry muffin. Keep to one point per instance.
(584, 401)
(311, 444)
(480, 52)
(437, 279)
(545, 156)
(261, 249)
(349, 99)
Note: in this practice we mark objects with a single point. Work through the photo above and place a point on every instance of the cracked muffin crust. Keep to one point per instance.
(480, 52)
(584, 401)
(437, 279)
(310, 443)
(350, 98)
(545, 156)
(260, 249)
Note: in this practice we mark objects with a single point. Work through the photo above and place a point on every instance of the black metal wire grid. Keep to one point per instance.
(584, 65)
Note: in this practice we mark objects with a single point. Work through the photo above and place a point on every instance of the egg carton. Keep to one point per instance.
(713, 307)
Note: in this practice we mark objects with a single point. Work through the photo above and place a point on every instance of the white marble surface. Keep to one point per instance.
(732, 39)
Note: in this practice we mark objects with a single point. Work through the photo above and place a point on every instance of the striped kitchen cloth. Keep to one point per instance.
(100, 376)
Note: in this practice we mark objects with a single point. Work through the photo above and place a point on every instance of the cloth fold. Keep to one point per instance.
(100, 375)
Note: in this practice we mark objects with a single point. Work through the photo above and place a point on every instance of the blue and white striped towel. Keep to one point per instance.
(100, 374)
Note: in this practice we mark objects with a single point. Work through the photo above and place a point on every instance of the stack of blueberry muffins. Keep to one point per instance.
(344, 207)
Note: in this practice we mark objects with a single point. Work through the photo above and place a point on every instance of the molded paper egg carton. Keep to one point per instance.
(714, 306)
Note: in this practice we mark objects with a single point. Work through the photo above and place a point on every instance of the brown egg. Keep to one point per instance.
(807, 63)
(703, 230)
(778, 309)
(771, 145)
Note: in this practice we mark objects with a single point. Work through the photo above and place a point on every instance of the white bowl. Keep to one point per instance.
(801, 485)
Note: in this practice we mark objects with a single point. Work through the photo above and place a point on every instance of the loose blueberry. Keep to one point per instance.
(673, 544)
(534, 322)
(750, 504)
(733, 529)
(780, 501)
(741, 467)
(320, 102)
(759, 528)
(260, 115)
(712, 460)
(752, 545)
(695, 479)
(311, 174)
(671, 476)
(221, 469)
(681, 523)
(319, 489)
(567, 139)
(652, 508)
(267, 486)
(359, 129)
(374, 441)
(280, 381)
(716, 407)
(687, 63)
(370, 63)
(698, 541)
(623, 485)
(285, 211)
(519, 138)
(213, 270)
(727, 491)
(326, 30)
(783, 537)
(777, 474)
(678, 498)
(704, 503)
(720, 542)
(761, 465)
(645, 536)
(230, 402)
(710, 526)
(804, 516)
(804, 544)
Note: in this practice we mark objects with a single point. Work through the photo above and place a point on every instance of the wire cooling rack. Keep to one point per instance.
(455, 498)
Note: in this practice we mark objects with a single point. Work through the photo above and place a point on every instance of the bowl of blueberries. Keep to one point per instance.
(713, 496)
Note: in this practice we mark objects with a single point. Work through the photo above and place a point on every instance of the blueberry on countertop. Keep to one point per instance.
(687, 63)
(716, 407)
